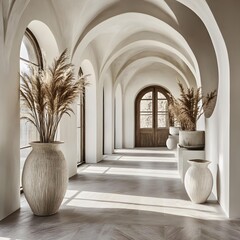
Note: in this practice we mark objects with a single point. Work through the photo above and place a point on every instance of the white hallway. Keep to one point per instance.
(125, 46)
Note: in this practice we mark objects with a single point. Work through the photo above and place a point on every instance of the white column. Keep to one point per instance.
(118, 118)
(9, 135)
(108, 116)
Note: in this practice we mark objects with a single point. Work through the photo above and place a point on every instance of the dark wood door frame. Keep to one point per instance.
(83, 127)
(150, 137)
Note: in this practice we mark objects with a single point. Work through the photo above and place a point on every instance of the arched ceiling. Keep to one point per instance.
(141, 64)
(142, 35)
(121, 32)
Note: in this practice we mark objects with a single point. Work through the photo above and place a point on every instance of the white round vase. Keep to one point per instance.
(198, 180)
(45, 178)
(171, 142)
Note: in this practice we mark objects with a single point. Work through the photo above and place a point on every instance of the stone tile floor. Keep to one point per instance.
(128, 196)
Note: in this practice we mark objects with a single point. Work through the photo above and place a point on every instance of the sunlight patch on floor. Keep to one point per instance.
(178, 207)
(131, 172)
(144, 172)
(70, 193)
(112, 157)
(94, 169)
(147, 159)
(3, 238)
(145, 150)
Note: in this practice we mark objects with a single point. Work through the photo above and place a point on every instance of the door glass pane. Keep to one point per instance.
(146, 111)
(146, 120)
(162, 120)
(147, 96)
(146, 105)
(160, 95)
(162, 105)
(162, 111)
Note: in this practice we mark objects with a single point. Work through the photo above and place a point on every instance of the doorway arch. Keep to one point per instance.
(151, 117)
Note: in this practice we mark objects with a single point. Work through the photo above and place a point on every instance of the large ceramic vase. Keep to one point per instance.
(192, 139)
(198, 181)
(173, 138)
(171, 142)
(45, 178)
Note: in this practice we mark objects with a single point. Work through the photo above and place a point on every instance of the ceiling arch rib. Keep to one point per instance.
(121, 58)
(124, 28)
(125, 76)
(143, 34)
(165, 58)
(137, 26)
(108, 9)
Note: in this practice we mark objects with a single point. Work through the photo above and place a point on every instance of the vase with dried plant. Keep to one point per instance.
(187, 109)
(48, 94)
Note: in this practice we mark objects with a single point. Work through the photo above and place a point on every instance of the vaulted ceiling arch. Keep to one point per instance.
(121, 59)
(108, 9)
(141, 34)
(141, 63)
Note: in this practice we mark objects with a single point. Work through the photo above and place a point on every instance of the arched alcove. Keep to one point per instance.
(33, 53)
(218, 124)
(155, 74)
(91, 114)
(151, 117)
(46, 39)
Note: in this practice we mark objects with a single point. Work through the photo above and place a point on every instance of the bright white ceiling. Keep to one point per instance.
(124, 33)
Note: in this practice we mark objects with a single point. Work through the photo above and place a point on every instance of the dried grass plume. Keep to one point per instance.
(187, 109)
(49, 93)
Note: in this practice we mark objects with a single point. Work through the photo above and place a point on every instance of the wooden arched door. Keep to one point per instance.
(151, 117)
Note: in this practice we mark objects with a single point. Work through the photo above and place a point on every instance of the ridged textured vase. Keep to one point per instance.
(198, 181)
(45, 178)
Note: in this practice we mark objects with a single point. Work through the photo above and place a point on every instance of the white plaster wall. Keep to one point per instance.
(9, 134)
(9, 108)
(228, 109)
(164, 77)
(217, 127)
(68, 134)
(10, 41)
(217, 137)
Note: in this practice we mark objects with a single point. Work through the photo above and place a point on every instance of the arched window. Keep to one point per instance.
(152, 117)
(30, 55)
(81, 125)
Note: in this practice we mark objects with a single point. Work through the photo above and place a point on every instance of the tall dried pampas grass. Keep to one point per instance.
(191, 105)
(48, 94)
